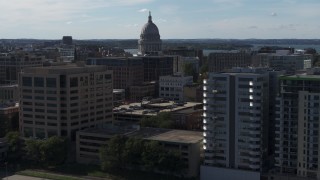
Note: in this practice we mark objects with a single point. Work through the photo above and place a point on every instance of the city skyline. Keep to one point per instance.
(123, 19)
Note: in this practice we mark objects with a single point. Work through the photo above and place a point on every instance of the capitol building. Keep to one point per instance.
(149, 41)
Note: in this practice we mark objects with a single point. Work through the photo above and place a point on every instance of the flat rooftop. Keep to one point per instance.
(303, 76)
(152, 109)
(64, 69)
(109, 130)
(168, 135)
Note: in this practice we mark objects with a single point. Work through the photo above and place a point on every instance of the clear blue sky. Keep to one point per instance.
(122, 19)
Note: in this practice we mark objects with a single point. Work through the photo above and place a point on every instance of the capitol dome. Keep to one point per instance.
(149, 38)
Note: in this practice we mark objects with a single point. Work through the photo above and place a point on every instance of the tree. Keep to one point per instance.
(32, 150)
(112, 155)
(14, 145)
(151, 155)
(53, 150)
(133, 151)
(48, 152)
(162, 120)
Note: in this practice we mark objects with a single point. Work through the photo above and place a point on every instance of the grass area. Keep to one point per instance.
(45, 175)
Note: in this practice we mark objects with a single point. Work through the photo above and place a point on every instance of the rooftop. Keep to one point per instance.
(168, 135)
(65, 69)
(151, 109)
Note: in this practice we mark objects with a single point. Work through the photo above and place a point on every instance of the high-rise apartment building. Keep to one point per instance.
(297, 125)
(235, 124)
(60, 100)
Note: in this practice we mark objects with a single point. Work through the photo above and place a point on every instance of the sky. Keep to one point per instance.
(176, 19)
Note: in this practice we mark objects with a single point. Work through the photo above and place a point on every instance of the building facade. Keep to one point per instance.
(297, 125)
(156, 66)
(235, 121)
(60, 100)
(11, 64)
(149, 41)
(224, 60)
(171, 87)
(126, 71)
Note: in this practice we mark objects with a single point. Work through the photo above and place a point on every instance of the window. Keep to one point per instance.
(51, 82)
(74, 82)
(27, 81)
(38, 82)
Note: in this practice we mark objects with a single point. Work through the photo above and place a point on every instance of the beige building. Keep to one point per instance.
(60, 100)
(224, 60)
(188, 143)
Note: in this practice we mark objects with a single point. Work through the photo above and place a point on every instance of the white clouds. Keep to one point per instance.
(273, 14)
(143, 10)
(69, 22)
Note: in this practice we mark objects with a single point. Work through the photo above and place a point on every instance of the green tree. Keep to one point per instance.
(113, 155)
(49, 152)
(133, 151)
(151, 155)
(32, 150)
(14, 145)
(162, 120)
(53, 150)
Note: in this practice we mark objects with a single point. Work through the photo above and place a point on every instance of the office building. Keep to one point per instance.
(126, 71)
(118, 96)
(224, 60)
(67, 40)
(156, 66)
(171, 87)
(60, 100)
(235, 123)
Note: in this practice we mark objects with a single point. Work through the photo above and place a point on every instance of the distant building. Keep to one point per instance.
(185, 52)
(11, 64)
(188, 143)
(67, 40)
(60, 100)
(149, 41)
(224, 60)
(180, 65)
(138, 92)
(156, 66)
(126, 71)
(283, 60)
(171, 87)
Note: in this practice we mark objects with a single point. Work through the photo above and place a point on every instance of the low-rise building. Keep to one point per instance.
(138, 92)
(188, 143)
(134, 112)
(9, 117)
